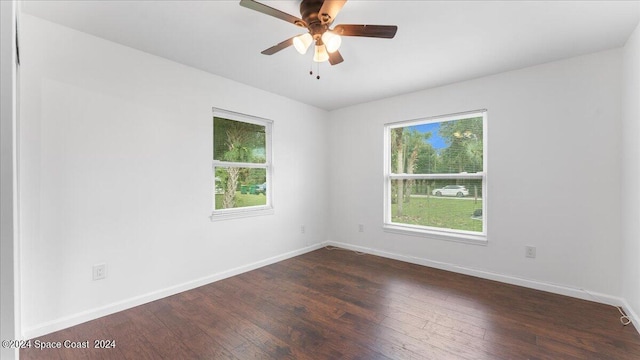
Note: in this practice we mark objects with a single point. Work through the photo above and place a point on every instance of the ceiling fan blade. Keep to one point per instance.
(330, 9)
(376, 31)
(254, 5)
(274, 49)
(335, 58)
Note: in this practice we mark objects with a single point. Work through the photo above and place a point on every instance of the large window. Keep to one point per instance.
(436, 176)
(241, 165)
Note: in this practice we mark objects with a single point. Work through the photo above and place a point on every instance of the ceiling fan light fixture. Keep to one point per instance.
(302, 42)
(331, 41)
(317, 17)
(320, 54)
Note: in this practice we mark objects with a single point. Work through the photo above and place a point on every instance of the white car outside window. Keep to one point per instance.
(451, 190)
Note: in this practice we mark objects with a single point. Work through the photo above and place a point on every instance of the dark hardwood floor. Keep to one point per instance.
(339, 305)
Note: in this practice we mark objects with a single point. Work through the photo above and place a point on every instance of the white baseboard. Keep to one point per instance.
(79, 318)
(513, 280)
(635, 320)
(93, 314)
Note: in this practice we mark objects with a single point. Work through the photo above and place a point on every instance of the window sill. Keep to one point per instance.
(241, 213)
(462, 237)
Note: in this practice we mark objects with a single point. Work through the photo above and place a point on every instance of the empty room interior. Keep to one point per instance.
(320, 179)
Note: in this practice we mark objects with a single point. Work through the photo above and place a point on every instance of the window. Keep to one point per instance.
(241, 165)
(436, 177)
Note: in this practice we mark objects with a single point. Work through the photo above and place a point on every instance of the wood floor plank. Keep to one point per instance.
(312, 315)
(329, 297)
(251, 324)
(221, 325)
(333, 304)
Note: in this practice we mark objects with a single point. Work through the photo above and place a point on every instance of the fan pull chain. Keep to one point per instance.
(317, 70)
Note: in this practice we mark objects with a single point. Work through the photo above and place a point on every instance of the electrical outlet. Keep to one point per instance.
(530, 251)
(99, 271)
(302, 229)
(360, 228)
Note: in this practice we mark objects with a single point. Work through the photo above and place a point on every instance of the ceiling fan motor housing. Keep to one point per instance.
(316, 23)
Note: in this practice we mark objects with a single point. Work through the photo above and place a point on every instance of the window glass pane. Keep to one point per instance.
(238, 141)
(438, 148)
(237, 187)
(449, 204)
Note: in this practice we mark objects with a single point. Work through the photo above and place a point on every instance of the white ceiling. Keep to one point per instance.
(437, 43)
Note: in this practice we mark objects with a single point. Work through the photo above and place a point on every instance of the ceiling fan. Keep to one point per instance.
(317, 17)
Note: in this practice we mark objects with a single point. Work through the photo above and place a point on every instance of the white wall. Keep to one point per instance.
(8, 244)
(115, 157)
(554, 164)
(631, 175)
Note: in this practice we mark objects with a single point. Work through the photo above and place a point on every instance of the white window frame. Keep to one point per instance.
(464, 236)
(267, 209)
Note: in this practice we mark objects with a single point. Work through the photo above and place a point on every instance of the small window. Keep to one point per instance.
(436, 177)
(241, 165)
